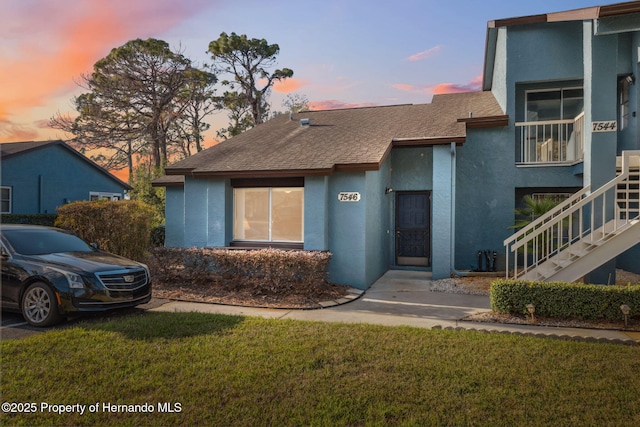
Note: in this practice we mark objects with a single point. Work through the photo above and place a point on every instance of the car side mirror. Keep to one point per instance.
(94, 246)
(4, 252)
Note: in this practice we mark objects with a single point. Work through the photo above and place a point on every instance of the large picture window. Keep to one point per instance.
(269, 214)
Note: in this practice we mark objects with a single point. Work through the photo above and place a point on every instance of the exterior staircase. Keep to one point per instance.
(582, 233)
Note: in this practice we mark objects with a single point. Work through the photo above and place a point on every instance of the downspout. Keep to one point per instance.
(40, 195)
(452, 239)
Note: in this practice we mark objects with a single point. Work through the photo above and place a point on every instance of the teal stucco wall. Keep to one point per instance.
(43, 179)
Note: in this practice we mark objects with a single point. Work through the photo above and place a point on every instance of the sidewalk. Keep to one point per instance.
(403, 298)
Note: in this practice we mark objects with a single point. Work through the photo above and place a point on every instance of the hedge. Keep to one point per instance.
(31, 219)
(120, 227)
(564, 300)
(271, 270)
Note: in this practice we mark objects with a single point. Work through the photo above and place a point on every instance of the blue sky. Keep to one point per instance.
(344, 53)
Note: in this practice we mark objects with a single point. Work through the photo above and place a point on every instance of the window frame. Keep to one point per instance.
(268, 185)
(9, 200)
(561, 89)
(624, 99)
(104, 195)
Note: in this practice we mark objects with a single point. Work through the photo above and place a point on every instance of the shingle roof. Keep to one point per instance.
(8, 149)
(350, 139)
(11, 149)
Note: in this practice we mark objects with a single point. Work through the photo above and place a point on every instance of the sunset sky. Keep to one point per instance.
(344, 53)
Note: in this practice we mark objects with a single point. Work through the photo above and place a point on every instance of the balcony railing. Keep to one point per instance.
(552, 141)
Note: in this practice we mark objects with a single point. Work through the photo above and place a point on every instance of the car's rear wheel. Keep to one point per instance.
(39, 305)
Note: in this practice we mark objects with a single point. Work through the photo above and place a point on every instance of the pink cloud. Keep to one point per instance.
(420, 89)
(473, 86)
(47, 45)
(425, 54)
(288, 85)
(14, 132)
(332, 104)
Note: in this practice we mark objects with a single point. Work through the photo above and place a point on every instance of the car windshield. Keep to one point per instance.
(45, 241)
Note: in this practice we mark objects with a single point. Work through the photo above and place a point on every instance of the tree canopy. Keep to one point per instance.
(146, 104)
(143, 99)
(246, 64)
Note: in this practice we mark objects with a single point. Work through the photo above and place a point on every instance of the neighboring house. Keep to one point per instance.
(39, 176)
(430, 186)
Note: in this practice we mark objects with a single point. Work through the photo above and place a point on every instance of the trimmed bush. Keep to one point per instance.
(31, 219)
(271, 270)
(564, 300)
(120, 227)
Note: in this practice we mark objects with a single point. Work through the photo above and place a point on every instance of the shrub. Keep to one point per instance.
(32, 219)
(564, 300)
(157, 236)
(271, 270)
(121, 227)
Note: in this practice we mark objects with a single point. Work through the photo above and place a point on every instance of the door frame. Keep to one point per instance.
(411, 261)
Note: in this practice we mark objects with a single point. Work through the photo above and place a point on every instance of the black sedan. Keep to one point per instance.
(48, 273)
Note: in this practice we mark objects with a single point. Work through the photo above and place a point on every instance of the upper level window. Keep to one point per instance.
(624, 87)
(5, 200)
(269, 214)
(95, 195)
(553, 128)
(554, 104)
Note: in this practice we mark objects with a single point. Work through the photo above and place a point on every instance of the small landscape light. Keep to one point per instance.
(625, 310)
(531, 309)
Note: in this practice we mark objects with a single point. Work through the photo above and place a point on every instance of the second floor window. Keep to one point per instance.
(554, 104)
(623, 101)
(552, 130)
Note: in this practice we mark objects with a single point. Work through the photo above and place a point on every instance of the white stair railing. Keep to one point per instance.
(578, 221)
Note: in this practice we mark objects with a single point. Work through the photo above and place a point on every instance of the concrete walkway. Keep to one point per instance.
(404, 298)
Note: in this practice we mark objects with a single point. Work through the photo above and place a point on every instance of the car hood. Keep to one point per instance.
(92, 262)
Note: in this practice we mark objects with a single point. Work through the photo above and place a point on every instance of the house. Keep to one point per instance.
(435, 186)
(39, 176)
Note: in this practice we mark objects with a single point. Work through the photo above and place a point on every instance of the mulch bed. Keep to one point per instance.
(308, 297)
(252, 295)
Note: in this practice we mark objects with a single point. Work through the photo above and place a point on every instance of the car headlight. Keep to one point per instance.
(75, 280)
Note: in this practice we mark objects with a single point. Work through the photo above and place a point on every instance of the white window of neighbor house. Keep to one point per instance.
(97, 195)
(269, 214)
(5, 200)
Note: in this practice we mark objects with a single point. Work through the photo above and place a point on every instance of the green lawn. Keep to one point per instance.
(224, 370)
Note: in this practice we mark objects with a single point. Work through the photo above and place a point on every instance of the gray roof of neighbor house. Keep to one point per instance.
(13, 149)
(349, 139)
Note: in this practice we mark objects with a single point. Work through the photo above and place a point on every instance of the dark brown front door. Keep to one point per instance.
(413, 222)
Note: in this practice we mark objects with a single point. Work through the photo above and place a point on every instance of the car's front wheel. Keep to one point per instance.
(39, 305)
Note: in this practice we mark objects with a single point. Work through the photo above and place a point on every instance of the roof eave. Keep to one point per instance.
(262, 173)
(167, 184)
(427, 141)
(489, 58)
(485, 122)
